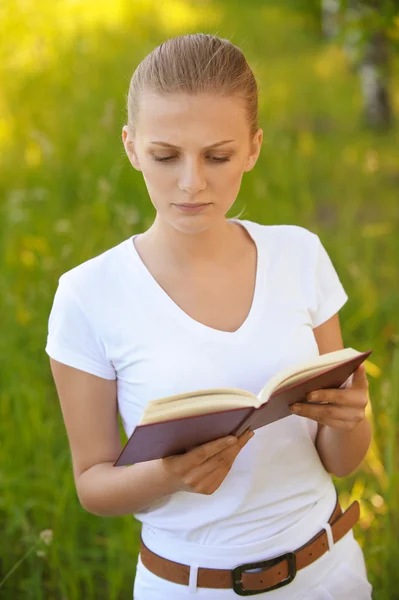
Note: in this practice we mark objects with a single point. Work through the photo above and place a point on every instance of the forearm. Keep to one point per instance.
(108, 491)
(340, 451)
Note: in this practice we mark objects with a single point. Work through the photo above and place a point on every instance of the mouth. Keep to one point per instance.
(193, 205)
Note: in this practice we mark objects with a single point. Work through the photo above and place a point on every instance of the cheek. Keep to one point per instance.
(226, 175)
(233, 179)
(159, 177)
(154, 178)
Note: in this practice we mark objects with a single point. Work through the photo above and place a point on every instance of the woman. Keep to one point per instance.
(201, 301)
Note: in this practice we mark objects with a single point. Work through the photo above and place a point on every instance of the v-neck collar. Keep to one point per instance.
(258, 301)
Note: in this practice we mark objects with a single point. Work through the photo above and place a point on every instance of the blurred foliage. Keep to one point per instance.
(68, 193)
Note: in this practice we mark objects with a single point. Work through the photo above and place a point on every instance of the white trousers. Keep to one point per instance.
(339, 574)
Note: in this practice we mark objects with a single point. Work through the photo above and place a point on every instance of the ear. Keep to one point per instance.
(130, 148)
(256, 148)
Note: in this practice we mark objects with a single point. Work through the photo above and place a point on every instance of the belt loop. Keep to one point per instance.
(192, 582)
(330, 538)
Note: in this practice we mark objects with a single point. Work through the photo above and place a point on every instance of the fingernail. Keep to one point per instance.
(231, 440)
(295, 408)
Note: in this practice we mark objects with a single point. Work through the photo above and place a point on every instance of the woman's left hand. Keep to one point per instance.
(342, 408)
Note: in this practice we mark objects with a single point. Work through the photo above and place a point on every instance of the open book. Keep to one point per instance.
(176, 424)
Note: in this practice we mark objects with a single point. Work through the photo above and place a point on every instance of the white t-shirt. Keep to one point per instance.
(112, 319)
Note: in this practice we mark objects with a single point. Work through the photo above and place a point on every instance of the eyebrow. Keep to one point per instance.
(177, 147)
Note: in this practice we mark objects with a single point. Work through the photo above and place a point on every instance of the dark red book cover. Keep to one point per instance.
(158, 440)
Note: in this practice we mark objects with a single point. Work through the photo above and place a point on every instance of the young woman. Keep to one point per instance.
(201, 301)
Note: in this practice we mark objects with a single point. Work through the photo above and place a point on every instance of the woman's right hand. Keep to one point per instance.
(203, 469)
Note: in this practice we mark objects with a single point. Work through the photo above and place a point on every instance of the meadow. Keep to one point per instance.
(68, 193)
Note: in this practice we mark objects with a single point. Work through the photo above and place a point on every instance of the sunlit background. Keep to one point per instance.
(329, 162)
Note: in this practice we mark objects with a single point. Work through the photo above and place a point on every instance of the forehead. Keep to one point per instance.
(209, 116)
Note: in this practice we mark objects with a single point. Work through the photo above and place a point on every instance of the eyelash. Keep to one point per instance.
(169, 158)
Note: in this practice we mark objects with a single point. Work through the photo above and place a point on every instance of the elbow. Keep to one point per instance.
(87, 492)
(341, 473)
(82, 497)
(92, 509)
(87, 501)
(342, 454)
(345, 469)
(86, 505)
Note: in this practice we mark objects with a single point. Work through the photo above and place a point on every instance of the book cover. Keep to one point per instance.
(178, 435)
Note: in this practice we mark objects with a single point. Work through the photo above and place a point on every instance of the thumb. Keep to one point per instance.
(360, 377)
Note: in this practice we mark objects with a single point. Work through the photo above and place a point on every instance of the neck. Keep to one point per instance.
(192, 251)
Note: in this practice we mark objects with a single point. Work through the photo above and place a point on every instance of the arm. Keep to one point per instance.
(89, 408)
(340, 451)
(108, 491)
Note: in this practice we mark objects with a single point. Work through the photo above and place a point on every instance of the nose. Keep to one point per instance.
(192, 179)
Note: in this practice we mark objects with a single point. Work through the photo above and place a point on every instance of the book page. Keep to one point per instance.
(303, 370)
(209, 400)
(196, 403)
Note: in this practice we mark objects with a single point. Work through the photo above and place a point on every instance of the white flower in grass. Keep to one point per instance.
(46, 536)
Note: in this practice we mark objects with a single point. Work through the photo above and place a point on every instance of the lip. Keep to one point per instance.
(192, 208)
(193, 205)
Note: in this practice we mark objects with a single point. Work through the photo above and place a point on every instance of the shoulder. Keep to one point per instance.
(291, 236)
(96, 273)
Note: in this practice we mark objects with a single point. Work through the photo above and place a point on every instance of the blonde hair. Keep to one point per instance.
(194, 64)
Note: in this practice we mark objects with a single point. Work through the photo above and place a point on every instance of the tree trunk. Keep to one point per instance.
(329, 18)
(371, 61)
(373, 72)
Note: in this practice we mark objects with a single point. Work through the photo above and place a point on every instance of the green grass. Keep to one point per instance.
(65, 71)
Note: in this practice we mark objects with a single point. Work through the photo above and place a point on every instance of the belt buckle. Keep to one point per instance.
(237, 571)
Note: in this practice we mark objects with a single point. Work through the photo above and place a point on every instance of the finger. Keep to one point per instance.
(348, 397)
(222, 459)
(360, 380)
(225, 458)
(322, 413)
(245, 437)
(195, 478)
(201, 453)
(208, 484)
(337, 424)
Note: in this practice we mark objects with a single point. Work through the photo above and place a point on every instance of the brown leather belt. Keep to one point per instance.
(279, 570)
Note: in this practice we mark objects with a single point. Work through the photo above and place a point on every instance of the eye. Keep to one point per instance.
(169, 158)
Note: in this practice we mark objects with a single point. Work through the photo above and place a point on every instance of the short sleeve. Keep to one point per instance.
(72, 339)
(329, 293)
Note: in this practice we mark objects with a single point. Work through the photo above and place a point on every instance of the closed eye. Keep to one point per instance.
(169, 158)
